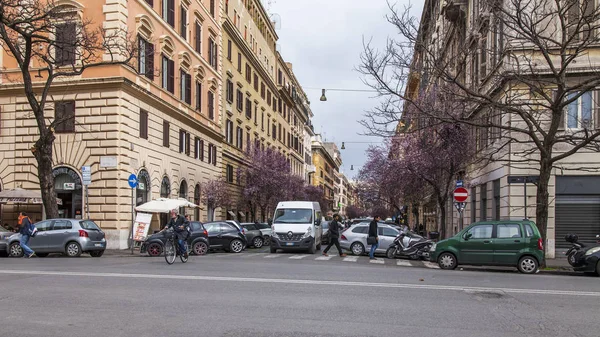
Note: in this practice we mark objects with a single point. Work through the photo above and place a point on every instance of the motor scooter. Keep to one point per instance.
(409, 245)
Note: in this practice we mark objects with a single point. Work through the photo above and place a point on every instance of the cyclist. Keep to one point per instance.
(179, 225)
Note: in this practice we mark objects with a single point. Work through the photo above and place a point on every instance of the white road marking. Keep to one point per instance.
(298, 257)
(431, 265)
(351, 258)
(323, 258)
(272, 256)
(378, 261)
(403, 263)
(305, 282)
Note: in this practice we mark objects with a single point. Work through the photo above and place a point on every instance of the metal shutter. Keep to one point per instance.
(579, 215)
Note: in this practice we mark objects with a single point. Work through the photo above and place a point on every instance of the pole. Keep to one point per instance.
(87, 201)
(132, 221)
(525, 196)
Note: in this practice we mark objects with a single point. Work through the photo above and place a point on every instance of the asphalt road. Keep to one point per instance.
(256, 294)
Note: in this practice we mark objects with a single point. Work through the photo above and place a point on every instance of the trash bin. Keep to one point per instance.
(434, 236)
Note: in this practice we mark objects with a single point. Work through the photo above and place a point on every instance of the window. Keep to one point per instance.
(274, 132)
(229, 132)
(262, 90)
(256, 81)
(211, 105)
(473, 204)
(361, 230)
(183, 23)
(211, 149)
(248, 140)
(528, 230)
(274, 104)
(166, 127)
(212, 53)
(240, 100)
(579, 112)
(150, 2)
(507, 231)
(483, 51)
(144, 124)
(239, 138)
(279, 77)
(64, 116)
(262, 121)
(269, 97)
(184, 142)
(185, 86)
(229, 91)
(240, 62)
(248, 108)
(385, 231)
(66, 40)
(146, 58)
(481, 231)
(248, 73)
(168, 74)
(212, 8)
(279, 132)
(200, 149)
(483, 206)
(168, 11)
(198, 37)
(229, 173)
(198, 96)
(496, 188)
(229, 50)
(197, 148)
(62, 224)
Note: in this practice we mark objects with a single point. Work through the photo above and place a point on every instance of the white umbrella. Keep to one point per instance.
(21, 196)
(163, 205)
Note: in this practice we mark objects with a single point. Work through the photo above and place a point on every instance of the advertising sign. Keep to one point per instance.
(141, 226)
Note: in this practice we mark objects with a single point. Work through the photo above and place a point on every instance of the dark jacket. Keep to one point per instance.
(373, 228)
(179, 226)
(26, 226)
(334, 229)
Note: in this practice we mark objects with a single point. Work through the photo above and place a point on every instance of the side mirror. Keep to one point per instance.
(467, 236)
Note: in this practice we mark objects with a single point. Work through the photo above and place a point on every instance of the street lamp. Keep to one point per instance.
(323, 97)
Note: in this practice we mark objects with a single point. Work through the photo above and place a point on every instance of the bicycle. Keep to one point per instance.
(172, 249)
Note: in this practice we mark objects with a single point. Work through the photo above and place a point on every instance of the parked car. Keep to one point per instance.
(68, 236)
(265, 229)
(325, 236)
(198, 241)
(501, 243)
(354, 238)
(4, 235)
(226, 236)
(253, 235)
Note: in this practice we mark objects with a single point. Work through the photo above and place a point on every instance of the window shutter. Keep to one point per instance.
(198, 41)
(144, 124)
(166, 133)
(196, 150)
(150, 60)
(198, 96)
(188, 88)
(201, 150)
(171, 71)
(188, 140)
(214, 155)
(150, 2)
(211, 105)
(182, 23)
(171, 12)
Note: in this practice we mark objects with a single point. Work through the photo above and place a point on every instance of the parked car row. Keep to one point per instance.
(71, 237)
(227, 235)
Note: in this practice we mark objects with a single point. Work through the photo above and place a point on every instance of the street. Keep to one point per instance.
(257, 294)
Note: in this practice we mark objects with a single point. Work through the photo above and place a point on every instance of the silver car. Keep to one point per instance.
(354, 238)
(68, 236)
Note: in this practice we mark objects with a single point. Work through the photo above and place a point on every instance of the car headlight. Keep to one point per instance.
(592, 251)
(433, 246)
(308, 233)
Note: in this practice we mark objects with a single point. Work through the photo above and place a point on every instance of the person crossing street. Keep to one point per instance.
(334, 234)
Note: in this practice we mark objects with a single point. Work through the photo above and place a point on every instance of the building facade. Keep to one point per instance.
(326, 168)
(159, 119)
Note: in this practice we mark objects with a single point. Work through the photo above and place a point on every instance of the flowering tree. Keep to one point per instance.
(353, 212)
(215, 194)
(316, 193)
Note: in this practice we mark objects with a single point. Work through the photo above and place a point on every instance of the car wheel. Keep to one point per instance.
(390, 253)
(15, 250)
(236, 246)
(267, 240)
(528, 265)
(273, 250)
(571, 258)
(97, 253)
(447, 261)
(357, 248)
(42, 254)
(154, 249)
(257, 242)
(73, 249)
(200, 248)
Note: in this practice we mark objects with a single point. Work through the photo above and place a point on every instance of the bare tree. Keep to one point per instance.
(522, 70)
(45, 38)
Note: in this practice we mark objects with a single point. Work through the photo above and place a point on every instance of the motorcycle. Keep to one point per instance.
(576, 251)
(411, 245)
(583, 258)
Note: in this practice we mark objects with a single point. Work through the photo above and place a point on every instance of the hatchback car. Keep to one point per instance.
(500, 243)
(68, 236)
(198, 241)
(4, 235)
(253, 235)
(354, 238)
(226, 236)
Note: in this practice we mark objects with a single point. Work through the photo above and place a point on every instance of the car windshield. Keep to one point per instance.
(293, 215)
(89, 225)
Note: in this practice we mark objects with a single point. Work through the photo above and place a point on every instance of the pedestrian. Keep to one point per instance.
(373, 238)
(26, 230)
(334, 234)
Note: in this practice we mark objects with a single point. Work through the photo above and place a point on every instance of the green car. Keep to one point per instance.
(494, 243)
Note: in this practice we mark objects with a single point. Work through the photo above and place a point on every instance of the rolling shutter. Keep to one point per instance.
(577, 215)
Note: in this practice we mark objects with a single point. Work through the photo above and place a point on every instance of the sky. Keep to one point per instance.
(323, 39)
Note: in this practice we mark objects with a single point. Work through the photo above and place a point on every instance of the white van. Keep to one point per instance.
(297, 226)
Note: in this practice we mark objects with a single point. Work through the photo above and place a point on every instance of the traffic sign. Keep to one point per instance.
(132, 181)
(461, 194)
(86, 174)
(460, 183)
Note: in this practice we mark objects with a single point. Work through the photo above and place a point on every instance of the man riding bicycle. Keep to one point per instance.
(179, 225)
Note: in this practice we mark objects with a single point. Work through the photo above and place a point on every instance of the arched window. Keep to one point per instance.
(143, 188)
(165, 187)
(183, 190)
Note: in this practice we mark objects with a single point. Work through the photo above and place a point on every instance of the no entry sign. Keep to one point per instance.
(461, 194)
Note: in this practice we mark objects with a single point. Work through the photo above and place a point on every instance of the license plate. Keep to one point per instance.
(98, 245)
(289, 244)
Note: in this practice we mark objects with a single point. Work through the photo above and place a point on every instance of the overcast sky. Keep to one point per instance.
(324, 40)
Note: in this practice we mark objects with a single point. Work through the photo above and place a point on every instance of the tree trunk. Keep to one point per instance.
(542, 197)
(442, 207)
(43, 154)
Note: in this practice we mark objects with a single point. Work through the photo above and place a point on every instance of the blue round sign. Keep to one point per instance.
(133, 181)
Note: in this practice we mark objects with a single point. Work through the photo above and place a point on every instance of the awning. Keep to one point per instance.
(241, 214)
(231, 213)
(21, 196)
(163, 205)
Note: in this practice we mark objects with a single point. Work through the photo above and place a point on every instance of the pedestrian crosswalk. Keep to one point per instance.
(331, 258)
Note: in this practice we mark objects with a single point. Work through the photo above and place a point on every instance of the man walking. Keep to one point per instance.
(373, 238)
(26, 230)
(334, 234)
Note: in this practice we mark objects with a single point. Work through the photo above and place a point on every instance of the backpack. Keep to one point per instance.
(32, 230)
